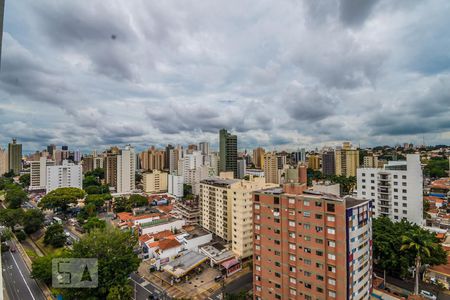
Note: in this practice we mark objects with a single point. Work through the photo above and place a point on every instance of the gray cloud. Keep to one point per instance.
(355, 12)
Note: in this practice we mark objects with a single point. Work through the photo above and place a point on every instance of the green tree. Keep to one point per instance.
(120, 292)
(41, 268)
(97, 200)
(5, 235)
(436, 167)
(94, 189)
(61, 198)
(21, 235)
(422, 247)
(15, 196)
(55, 236)
(90, 181)
(94, 222)
(121, 204)
(97, 173)
(11, 217)
(33, 220)
(138, 178)
(116, 260)
(138, 200)
(5, 181)
(25, 180)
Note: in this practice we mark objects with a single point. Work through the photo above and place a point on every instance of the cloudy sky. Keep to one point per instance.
(280, 74)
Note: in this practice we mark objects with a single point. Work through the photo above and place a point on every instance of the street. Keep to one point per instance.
(243, 283)
(143, 289)
(16, 278)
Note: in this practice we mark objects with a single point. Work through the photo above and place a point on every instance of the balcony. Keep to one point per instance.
(384, 190)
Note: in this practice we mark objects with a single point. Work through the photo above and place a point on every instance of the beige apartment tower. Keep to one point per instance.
(346, 160)
(271, 168)
(155, 182)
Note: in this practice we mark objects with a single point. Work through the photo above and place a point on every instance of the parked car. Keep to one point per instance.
(12, 248)
(427, 295)
(218, 278)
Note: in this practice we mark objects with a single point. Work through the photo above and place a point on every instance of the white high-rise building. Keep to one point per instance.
(38, 173)
(175, 185)
(396, 189)
(65, 175)
(126, 170)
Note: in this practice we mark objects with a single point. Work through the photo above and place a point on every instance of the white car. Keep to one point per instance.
(427, 295)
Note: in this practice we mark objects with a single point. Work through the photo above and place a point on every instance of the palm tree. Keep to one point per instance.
(418, 243)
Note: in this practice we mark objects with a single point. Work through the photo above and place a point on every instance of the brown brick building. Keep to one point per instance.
(309, 245)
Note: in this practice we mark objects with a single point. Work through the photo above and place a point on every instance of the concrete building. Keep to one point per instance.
(155, 182)
(226, 210)
(92, 162)
(153, 159)
(204, 148)
(38, 173)
(174, 156)
(126, 170)
(370, 161)
(175, 185)
(346, 160)
(110, 164)
(228, 152)
(258, 157)
(188, 210)
(396, 189)
(271, 168)
(328, 163)
(15, 157)
(241, 164)
(314, 162)
(167, 156)
(4, 164)
(309, 245)
(65, 175)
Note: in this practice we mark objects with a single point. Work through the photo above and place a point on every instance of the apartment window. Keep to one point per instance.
(292, 223)
(319, 253)
(318, 203)
(291, 200)
(363, 174)
(395, 183)
(277, 242)
(331, 230)
(395, 210)
(331, 218)
(319, 277)
(308, 285)
(318, 216)
(319, 229)
(404, 198)
(363, 180)
(293, 292)
(395, 176)
(277, 231)
(395, 197)
(307, 262)
(405, 212)
(331, 256)
(277, 296)
(292, 257)
(395, 203)
(292, 269)
(332, 269)
(332, 294)
(257, 227)
(277, 253)
(307, 238)
(307, 250)
(276, 200)
(395, 190)
(257, 206)
(331, 243)
(292, 234)
(363, 186)
(277, 275)
(319, 241)
(306, 214)
(257, 247)
(292, 280)
(330, 207)
(305, 202)
(403, 183)
(291, 246)
(258, 288)
(319, 266)
(258, 268)
(405, 205)
(319, 289)
(278, 264)
(307, 273)
(372, 175)
(258, 278)
(404, 191)
(306, 226)
(403, 176)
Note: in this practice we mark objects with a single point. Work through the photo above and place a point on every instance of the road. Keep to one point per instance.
(143, 289)
(244, 283)
(16, 278)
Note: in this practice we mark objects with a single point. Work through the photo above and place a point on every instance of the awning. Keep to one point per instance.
(230, 263)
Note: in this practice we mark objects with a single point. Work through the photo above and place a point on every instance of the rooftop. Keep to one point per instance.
(219, 181)
(182, 265)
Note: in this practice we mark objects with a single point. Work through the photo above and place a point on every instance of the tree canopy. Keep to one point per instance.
(97, 173)
(11, 217)
(55, 236)
(15, 196)
(25, 180)
(33, 220)
(436, 167)
(94, 222)
(61, 198)
(127, 204)
(387, 244)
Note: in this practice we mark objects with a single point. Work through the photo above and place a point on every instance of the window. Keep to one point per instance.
(292, 280)
(277, 231)
(331, 243)
(292, 223)
(403, 183)
(307, 273)
(319, 241)
(291, 246)
(307, 250)
(291, 200)
(319, 253)
(331, 230)
(277, 242)
(307, 238)
(306, 226)
(257, 227)
(331, 218)
(318, 203)
(307, 285)
(331, 281)
(277, 275)
(293, 292)
(276, 200)
(277, 296)
(405, 212)
(306, 214)
(319, 228)
(292, 269)
(403, 176)
(319, 289)
(332, 269)
(404, 191)
(305, 202)
(330, 207)
(332, 294)
(258, 268)
(318, 216)
(319, 277)
(292, 257)
(258, 288)
(331, 256)
(319, 266)
(278, 264)
(292, 234)
(404, 205)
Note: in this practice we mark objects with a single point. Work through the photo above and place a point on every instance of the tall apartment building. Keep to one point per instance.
(328, 163)
(258, 157)
(126, 170)
(153, 159)
(92, 162)
(51, 149)
(167, 156)
(155, 182)
(226, 210)
(4, 164)
(204, 148)
(396, 189)
(228, 152)
(64, 175)
(15, 157)
(110, 164)
(38, 173)
(314, 162)
(242, 166)
(370, 161)
(271, 172)
(346, 160)
(174, 157)
(175, 185)
(309, 245)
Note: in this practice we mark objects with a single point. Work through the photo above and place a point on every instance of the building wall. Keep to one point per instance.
(175, 185)
(126, 170)
(155, 182)
(111, 170)
(15, 157)
(4, 164)
(346, 162)
(175, 224)
(271, 168)
(397, 194)
(328, 163)
(65, 175)
(258, 157)
(38, 173)
(314, 162)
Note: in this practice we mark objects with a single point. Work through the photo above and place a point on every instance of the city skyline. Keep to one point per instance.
(286, 75)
